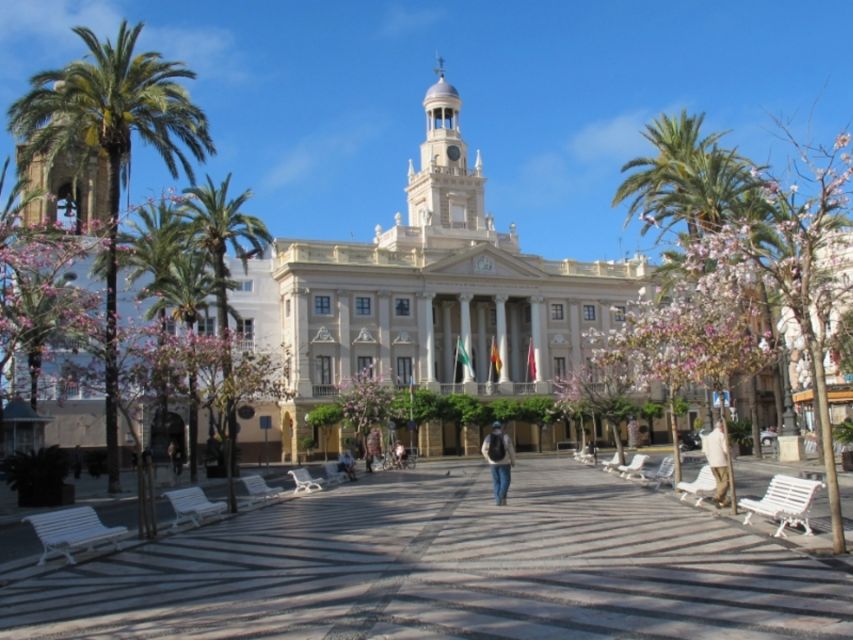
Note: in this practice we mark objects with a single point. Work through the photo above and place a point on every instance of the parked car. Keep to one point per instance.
(768, 436)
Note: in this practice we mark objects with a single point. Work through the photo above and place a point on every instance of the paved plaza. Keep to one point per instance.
(425, 553)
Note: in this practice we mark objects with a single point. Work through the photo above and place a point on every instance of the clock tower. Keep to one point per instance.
(445, 192)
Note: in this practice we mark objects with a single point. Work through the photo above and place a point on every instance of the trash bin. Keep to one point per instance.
(847, 460)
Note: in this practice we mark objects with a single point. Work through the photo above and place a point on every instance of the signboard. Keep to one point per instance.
(266, 422)
(726, 399)
(246, 412)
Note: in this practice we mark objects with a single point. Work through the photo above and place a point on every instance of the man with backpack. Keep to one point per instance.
(500, 454)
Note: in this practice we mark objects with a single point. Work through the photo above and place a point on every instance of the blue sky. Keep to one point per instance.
(316, 106)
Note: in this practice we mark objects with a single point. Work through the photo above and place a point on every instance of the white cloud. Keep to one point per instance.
(617, 139)
(315, 153)
(399, 21)
(36, 34)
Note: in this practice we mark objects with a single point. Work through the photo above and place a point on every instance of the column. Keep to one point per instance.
(426, 339)
(536, 331)
(500, 312)
(385, 371)
(515, 333)
(465, 316)
(302, 346)
(344, 336)
(575, 337)
(483, 361)
(449, 374)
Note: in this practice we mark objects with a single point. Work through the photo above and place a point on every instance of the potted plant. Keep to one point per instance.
(843, 433)
(307, 444)
(740, 437)
(39, 477)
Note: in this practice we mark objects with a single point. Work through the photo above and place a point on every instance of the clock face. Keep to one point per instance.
(453, 152)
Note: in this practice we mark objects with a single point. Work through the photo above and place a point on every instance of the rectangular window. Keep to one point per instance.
(322, 305)
(560, 368)
(619, 313)
(171, 327)
(402, 307)
(362, 306)
(245, 286)
(206, 326)
(589, 312)
(364, 366)
(404, 371)
(556, 312)
(246, 328)
(287, 308)
(323, 370)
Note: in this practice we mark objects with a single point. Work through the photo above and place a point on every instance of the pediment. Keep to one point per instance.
(484, 261)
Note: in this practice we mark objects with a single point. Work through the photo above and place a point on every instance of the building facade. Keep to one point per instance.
(439, 280)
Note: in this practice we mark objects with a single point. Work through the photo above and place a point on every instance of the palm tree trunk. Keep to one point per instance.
(230, 409)
(34, 363)
(111, 372)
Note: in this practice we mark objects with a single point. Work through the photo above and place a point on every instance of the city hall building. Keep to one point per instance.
(439, 279)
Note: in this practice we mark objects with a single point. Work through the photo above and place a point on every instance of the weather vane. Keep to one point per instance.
(439, 70)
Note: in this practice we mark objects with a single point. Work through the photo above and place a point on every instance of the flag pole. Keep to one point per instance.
(456, 360)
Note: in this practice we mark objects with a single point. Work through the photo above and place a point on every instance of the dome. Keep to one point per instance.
(442, 89)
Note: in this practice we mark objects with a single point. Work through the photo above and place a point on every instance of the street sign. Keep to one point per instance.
(726, 399)
(266, 422)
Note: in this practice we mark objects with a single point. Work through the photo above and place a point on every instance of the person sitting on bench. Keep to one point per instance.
(346, 463)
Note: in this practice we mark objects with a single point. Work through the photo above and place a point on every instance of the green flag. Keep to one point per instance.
(461, 354)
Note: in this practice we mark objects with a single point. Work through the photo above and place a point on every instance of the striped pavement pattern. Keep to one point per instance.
(576, 553)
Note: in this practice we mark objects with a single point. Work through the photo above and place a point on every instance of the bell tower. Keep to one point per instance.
(75, 198)
(444, 192)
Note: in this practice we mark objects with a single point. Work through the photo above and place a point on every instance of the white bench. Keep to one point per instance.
(704, 484)
(787, 499)
(63, 531)
(334, 475)
(191, 504)
(664, 473)
(258, 489)
(611, 464)
(635, 468)
(304, 481)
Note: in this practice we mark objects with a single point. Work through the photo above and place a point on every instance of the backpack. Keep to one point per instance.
(497, 448)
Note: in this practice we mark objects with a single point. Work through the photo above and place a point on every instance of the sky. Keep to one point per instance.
(317, 106)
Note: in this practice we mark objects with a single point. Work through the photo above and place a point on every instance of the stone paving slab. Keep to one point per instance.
(576, 553)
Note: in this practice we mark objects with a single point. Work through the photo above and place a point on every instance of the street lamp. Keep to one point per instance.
(789, 418)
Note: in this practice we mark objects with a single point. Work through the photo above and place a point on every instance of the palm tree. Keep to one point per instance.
(92, 108)
(158, 235)
(678, 142)
(185, 291)
(217, 223)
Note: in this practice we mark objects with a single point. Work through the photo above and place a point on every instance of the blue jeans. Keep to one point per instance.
(501, 477)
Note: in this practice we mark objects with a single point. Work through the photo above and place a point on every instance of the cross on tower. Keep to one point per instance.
(439, 70)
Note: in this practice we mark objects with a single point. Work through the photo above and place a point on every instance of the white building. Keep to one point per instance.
(399, 306)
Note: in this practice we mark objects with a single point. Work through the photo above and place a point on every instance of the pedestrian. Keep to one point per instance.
(176, 457)
(716, 450)
(374, 448)
(77, 462)
(499, 453)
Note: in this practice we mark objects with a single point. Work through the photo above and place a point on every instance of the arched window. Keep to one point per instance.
(67, 210)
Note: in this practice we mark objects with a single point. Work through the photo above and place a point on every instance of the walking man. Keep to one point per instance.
(716, 450)
(500, 454)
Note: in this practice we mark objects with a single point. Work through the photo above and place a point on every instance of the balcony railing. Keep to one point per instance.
(324, 390)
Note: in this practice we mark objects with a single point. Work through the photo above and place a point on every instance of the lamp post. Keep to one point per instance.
(789, 418)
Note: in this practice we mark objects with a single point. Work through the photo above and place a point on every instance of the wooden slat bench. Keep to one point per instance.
(635, 468)
(66, 530)
(304, 481)
(788, 499)
(610, 465)
(701, 487)
(334, 475)
(191, 504)
(258, 489)
(663, 474)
